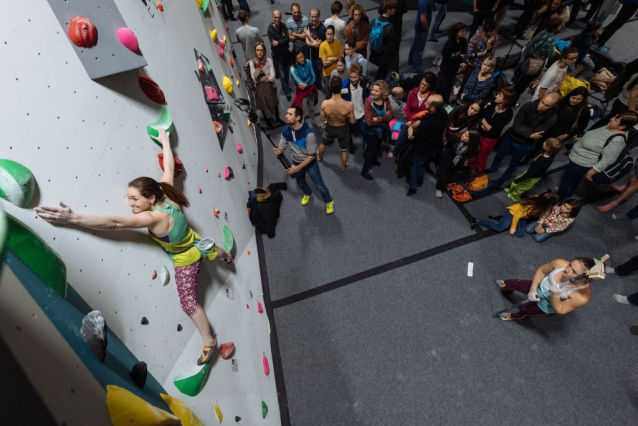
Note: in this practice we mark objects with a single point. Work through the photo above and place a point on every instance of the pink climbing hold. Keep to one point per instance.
(228, 173)
(206, 169)
(264, 360)
(227, 349)
(220, 51)
(222, 43)
(260, 309)
(154, 274)
(128, 39)
(240, 148)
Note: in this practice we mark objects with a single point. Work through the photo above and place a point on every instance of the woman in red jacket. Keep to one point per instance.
(378, 113)
(418, 96)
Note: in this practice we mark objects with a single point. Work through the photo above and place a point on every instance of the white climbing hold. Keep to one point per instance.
(164, 275)
(93, 332)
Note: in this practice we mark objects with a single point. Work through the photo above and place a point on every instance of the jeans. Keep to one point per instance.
(417, 171)
(570, 180)
(626, 12)
(317, 67)
(441, 11)
(504, 223)
(477, 21)
(445, 84)
(371, 145)
(315, 176)
(282, 66)
(539, 238)
(416, 51)
(507, 146)
(243, 5)
(355, 128)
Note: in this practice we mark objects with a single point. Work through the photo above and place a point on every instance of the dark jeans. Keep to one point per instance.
(317, 66)
(616, 108)
(417, 171)
(227, 9)
(529, 310)
(282, 67)
(477, 21)
(445, 84)
(570, 180)
(356, 128)
(315, 176)
(536, 149)
(381, 74)
(628, 267)
(370, 150)
(575, 8)
(518, 152)
(626, 12)
(416, 52)
(527, 15)
(444, 174)
(504, 223)
(594, 5)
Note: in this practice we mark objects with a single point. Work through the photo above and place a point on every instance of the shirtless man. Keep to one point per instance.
(337, 113)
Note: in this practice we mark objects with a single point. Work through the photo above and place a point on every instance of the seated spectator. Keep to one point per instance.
(536, 170)
(627, 100)
(455, 152)
(481, 83)
(482, 45)
(553, 77)
(556, 220)
(583, 42)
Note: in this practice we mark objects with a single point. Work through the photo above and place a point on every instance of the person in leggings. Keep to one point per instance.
(158, 206)
(545, 292)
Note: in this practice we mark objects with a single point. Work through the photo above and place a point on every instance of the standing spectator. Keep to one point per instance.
(555, 9)
(351, 56)
(243, 5)
(341, 69)
(496, 115)
(378, 113)
(297, 25)
(530, 8)
(421, 29)
(248, 36)
(279, 42)
(303, 145)
(482, 45)
(628, 188)
(384, 41)
(583, 42)
(337, 114)
(481, 82)
(417, 97)
(456, 151)
(329, 51)
(553, 77)
(626, 101)
(262, 72)
(540, 47)
(338, 23)
(453, 54)
(427, 137)
(227, 10)
(535, 172)
(501, 10)
(623, 270)
(358, 31)
(597, 150)
(468, 117)
(441, 10)
(627, 11)
(483, 12)
(531, 121)
(356, 89)
(397, 19)
(315, 35)
(304, 77)
(554, 221)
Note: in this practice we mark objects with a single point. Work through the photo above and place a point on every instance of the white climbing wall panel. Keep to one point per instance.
(85, 140)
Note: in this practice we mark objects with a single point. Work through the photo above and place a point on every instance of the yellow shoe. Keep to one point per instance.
(305, 200)
(330, 207)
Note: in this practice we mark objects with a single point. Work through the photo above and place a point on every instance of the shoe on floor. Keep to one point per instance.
(306, 199)
(610, 270)
(330, 207)
(472, 223)
(505, 316)
(620, 299)
(411, 192)
(438, 193)
(501, 285)
(619, 216)
(434, 40)
(288, 97)
(366, 176)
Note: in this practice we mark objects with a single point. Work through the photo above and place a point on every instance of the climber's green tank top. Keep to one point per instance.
(180, 242)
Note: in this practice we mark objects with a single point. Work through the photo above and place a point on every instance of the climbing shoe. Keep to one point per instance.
(305, 200)
(330, 207)
(207, 353)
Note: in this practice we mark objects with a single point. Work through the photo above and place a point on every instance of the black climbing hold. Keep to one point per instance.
(144, 321)
(237, 418)
(243, 166)
(139, 373)
(179, 327)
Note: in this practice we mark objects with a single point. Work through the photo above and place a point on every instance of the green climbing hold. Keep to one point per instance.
(191, 384)
(264, 410)
(251, 293)
(17, 184)
(37, 255)
(3, 232)
(165, 121)
(229, 240)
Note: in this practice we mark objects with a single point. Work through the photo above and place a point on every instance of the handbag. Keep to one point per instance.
(603, 79)
(619, 168)
(531, 65)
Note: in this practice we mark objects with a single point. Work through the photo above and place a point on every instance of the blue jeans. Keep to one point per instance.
(315, 176)
(504, 224)
(441, 10)
(243, 5)
(539, 238)
(282, 66)
(507, 146)
(570, 180)
(417, 50)
(417, 171)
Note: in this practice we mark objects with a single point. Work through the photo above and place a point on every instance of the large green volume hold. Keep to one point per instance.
(17, 184)
(229, 240)
(192, 384)
(37, 255)
(165, 121)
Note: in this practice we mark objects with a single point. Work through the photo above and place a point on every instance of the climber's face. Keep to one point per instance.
(137, 202)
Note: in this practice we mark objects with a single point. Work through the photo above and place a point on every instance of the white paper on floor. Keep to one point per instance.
(470, 269)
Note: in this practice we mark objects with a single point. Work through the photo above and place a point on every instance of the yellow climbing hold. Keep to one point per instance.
(218, 412)
(184, 413)
(127, 409)
(249, 123)
(224, 39)
(228, 85)
(213, 35)
(237, 83)
(199, 3)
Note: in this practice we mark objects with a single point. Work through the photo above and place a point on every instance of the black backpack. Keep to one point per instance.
(619, 168)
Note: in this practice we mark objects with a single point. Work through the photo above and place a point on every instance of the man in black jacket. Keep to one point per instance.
(531, 121)
(427, 137)
(387, 57)
(279, 42)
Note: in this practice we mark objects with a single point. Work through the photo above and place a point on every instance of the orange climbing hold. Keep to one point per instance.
(160, 6)
(248, 252)
(218, 127)
(216, 213)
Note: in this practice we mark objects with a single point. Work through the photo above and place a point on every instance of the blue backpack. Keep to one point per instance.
(376, 36)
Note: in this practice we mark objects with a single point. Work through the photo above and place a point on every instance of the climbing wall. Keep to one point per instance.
(85, 139)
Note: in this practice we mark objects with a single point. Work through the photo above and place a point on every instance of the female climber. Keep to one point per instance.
(158, 206)
(545, 291)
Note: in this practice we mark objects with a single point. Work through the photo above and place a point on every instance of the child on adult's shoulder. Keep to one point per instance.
(535, 171)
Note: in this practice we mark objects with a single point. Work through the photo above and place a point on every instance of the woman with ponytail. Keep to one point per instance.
(158, 206)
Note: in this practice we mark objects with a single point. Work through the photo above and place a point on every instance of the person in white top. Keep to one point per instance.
(548, 292)
(336, 22)
(553, 77)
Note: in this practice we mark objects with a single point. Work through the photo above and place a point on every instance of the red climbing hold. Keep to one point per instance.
(260, 309)
(206, 169)
(200, 190)
(154, 274)
(82, 32)
(264, 360)
(227, 349)
(216, 213)
(179, 166)
(151, 89)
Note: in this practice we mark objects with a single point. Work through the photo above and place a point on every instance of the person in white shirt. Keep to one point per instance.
(553, 77)
(336, 22)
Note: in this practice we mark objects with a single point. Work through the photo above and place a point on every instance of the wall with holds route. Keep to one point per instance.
(85, 139)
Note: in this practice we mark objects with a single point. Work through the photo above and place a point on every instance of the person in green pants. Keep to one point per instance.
(536, 170)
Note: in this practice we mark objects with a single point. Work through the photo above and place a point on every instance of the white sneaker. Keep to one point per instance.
(609, 270)
(439, 194)
(620, 299)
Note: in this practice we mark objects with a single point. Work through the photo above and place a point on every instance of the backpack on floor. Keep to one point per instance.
(376, 35)
(459, 192)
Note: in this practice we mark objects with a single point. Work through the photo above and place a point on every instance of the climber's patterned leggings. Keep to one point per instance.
(186, 281)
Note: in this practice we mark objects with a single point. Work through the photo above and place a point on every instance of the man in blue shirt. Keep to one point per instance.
(296, 25)
(421, 29)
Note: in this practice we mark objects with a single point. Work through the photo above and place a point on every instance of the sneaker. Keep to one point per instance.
(501, 285)
(601, 49)
(438, 193)
(306, 199)
(505, 316)
(620, 299)
(330, 207)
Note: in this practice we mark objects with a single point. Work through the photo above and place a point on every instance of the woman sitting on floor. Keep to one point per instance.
(554, 221)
